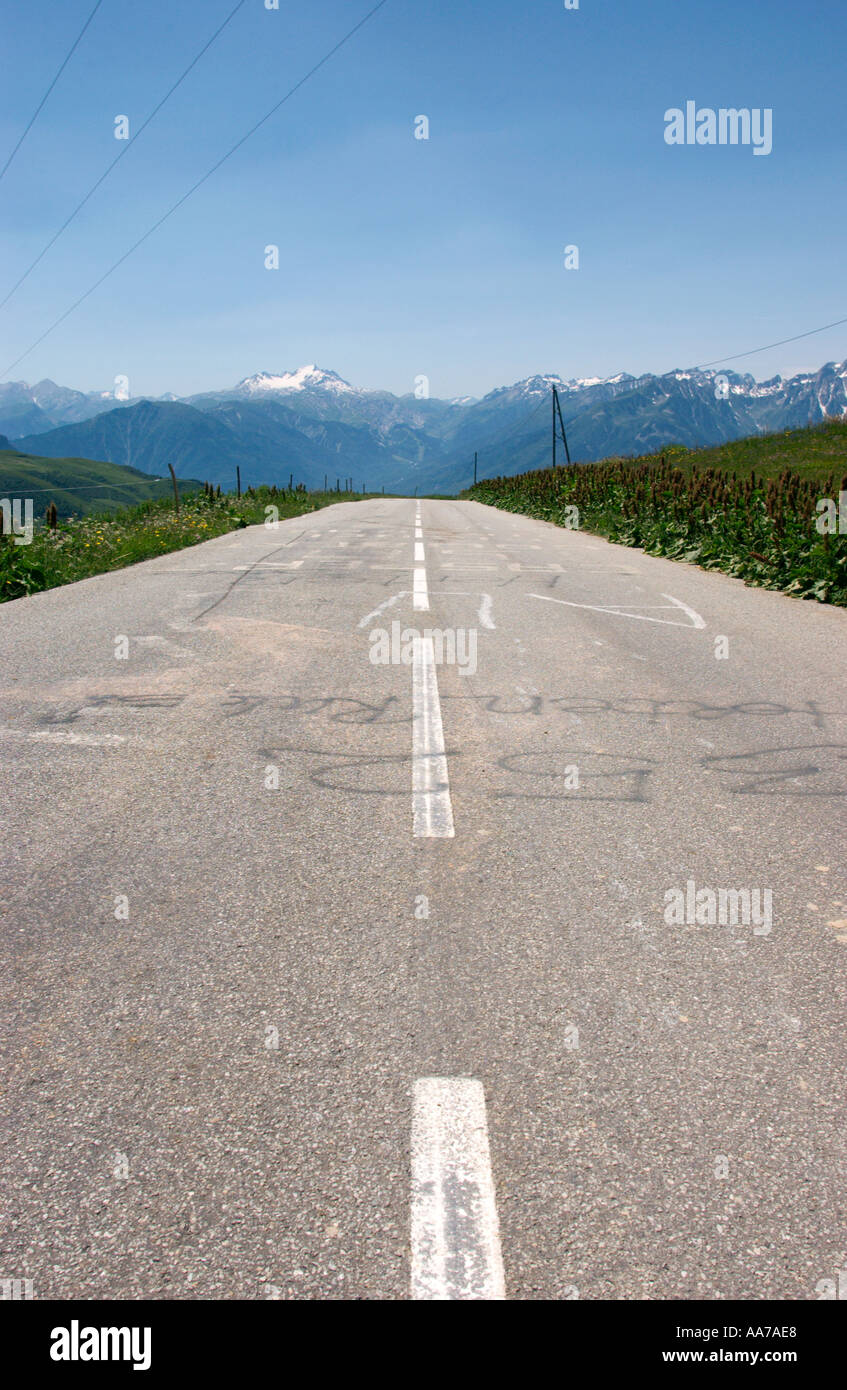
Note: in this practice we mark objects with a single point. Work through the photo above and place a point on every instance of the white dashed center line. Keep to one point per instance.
(420, 592)
(432, 811)
(455, 1232)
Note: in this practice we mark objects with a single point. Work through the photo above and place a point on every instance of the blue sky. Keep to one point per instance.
(402, 257)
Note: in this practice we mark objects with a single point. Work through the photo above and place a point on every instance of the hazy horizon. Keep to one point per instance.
(228, 385)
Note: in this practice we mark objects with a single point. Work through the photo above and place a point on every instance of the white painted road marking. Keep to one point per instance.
(268, 565)
(162, 644)
(617, 610)
(61, 736)
(485, 612)
(432, 811)
(696, 620)
(420, 592)
(455, 1232)
(386, 603)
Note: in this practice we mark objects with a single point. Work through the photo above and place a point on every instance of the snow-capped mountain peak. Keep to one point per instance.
(530, 386)
(308, 378)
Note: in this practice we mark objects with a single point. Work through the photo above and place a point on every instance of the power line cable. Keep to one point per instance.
(753, 351)
(718, 360)
(125, 148)
(184, 199)
(40, 105)
(714, 363)
(524, 420)
(86, 487)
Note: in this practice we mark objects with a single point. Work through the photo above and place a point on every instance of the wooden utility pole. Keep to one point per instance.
(474, 470)
(176, 489)
(237, 481)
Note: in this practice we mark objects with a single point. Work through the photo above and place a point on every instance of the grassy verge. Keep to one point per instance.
(77, 549)
(748, 508)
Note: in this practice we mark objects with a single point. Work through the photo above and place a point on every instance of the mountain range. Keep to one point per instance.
(313, 424)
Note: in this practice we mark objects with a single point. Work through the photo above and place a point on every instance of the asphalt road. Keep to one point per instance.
(324, 978)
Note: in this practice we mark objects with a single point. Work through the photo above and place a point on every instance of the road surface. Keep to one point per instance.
(331, 978)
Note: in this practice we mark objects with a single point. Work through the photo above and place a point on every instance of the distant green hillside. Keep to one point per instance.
(80, 486)
(816, 453)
